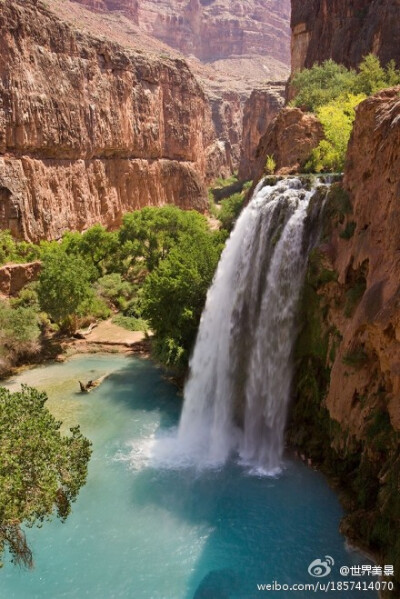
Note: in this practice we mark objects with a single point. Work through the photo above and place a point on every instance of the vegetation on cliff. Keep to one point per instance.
(333, 92)
(41, 471)
(154, 272)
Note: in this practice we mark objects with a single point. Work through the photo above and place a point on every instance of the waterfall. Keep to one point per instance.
(237, 394)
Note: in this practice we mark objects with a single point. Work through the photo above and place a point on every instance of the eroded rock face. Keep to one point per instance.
(89, 130)
(13, 277)
(346, 413)
(259, 111)
(344, 30)
(289, 139)
(372, 180)
(130, 7)
(215, 29)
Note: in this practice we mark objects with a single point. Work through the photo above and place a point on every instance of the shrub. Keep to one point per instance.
(270, 165)
(337, 119)
(230, 210)
(19, 333)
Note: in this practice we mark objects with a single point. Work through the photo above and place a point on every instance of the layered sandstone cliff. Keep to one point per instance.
(347, 410)
(89, 130)
(289, 139)
(218, 29)
(344, 31)
(259, 111)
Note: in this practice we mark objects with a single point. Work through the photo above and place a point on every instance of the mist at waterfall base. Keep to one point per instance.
(237, 395)
(138, 531)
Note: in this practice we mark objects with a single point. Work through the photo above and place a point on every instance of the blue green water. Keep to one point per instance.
(144, 532)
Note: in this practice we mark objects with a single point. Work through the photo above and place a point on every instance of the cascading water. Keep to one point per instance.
(237, 395)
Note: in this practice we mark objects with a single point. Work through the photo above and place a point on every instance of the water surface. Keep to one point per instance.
(142, 532)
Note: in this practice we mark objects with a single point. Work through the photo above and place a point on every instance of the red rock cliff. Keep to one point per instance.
(215, 29)
(89, 130)
(345, 30)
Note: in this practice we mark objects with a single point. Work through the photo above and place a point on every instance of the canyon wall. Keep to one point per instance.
(259, 111)
(217, 29)
(346, 414)
(344, 31)
(289, 138)
(89, 130)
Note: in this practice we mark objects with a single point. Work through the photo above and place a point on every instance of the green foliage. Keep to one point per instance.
(321, 84)
(354, 295)
(355, 358)
(230, 210)
(19, 332)
(97, 246)
(372, 77)
(349, 229)
(328, 81)
(149, 234)
(40, 470)
(65, 290)
(333, 92)
(221, 182)
(16, 251)
(174, 295)
(270, 165)
(115, 290)
(337, 119)
(130, 323)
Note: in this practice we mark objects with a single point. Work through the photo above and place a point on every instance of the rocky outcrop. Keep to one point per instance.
(89, 130)
(289, 139)
(13, 277)
(345, 31)
(347, 410)
(259, 111)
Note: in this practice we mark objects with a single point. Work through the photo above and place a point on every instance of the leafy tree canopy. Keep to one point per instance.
(337, 119)
(41, 471)
(150, 233)
(65, 290)
(329, 81)
(174, 294)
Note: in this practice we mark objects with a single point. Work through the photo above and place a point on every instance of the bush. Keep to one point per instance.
(270, 165)
(130, 323)
(16, 251)
(328, 81)
(19, 333)
(321, 84)
(230, 209)
(337, 119)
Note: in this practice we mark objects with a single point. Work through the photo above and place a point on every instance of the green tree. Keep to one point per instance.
(321, 84)
(65, 290)
(337, 119)
(174, 295)
(371, 76)
(149, 234)
(97, 245)
(41, 471)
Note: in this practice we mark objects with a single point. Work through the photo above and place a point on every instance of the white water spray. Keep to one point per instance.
(237, 395)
